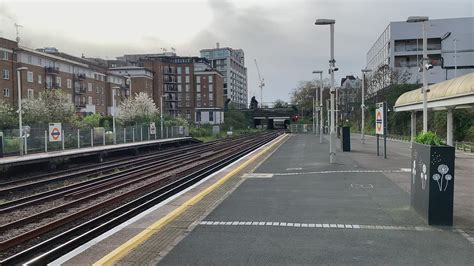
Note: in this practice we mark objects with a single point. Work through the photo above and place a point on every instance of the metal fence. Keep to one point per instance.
(302, 128)
(37, 140)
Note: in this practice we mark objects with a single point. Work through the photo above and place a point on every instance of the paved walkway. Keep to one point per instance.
(298, 209)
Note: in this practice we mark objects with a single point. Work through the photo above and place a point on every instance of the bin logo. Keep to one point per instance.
(442, 176)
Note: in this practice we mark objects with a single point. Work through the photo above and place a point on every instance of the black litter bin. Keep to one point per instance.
(346, 138)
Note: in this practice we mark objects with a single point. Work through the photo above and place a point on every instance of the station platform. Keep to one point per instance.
(285, 204)
(97, 151)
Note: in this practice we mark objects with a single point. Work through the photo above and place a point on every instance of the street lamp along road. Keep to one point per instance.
(20, 114)
(425, 67)
(321, 88)
(332, 68)
(362, 106)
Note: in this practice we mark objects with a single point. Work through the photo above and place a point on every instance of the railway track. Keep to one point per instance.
(121, 195)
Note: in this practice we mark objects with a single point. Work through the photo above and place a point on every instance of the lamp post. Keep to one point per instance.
(314, 111)
(332, 68)
(129, 82)
(20, 115)
(425, 67)
(113, 113)
(320, 72)
(362, 106)
(161, 115)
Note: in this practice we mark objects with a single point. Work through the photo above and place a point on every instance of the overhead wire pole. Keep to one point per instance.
(261, 84)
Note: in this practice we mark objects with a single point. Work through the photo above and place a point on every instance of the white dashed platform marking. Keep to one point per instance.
(331, 226)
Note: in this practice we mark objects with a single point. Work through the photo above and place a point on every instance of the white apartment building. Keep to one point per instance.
(231, 63)
(450, 49)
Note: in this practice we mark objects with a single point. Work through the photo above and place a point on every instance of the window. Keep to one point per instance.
(188, 97)
(211, 103)
(30, 59)
(39, 79)
(180, 104)
(58, 81)
(211, 116)
(180, 97)
(198, 88)
(187, 87)
(198, 80)
(29, 76)
(4, 55)
(211, 96)
(198, 104)
(198, 116)
(89, 100)
(188, 114)
(49, 82)
(6, 92)
(89, 86)
(97, 90)
(69, 83)
(6, 74)
(187, 70)
(179, 88)
(198, 96)
(40, 62)
(187, 79)
(188, 104)
(178, 70)
(211, 88)
(210, 79)
(31, 94)
(179, 79)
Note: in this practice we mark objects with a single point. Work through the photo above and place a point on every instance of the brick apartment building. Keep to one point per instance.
(178, 80)
(85, 82)
(190, 86)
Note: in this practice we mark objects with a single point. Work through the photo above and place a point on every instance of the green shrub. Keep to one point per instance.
(429, 138)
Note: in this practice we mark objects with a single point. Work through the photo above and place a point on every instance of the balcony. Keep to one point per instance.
(80, 104)
(51, 70)
(80, 76)
(168, 70)
(80, 90)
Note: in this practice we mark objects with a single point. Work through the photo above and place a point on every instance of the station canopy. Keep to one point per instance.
(453, 93)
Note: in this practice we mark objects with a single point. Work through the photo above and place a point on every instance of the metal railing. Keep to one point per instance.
(37, 140)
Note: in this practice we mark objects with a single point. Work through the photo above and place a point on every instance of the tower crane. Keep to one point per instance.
(261, 84)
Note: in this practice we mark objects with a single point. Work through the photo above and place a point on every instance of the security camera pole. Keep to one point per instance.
(332, 68)
(424, 66)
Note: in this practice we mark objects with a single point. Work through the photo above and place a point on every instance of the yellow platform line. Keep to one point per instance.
(134, 242)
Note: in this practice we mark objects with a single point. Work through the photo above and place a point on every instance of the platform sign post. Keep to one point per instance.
(381, 125)
(153, 129)
(55, 132)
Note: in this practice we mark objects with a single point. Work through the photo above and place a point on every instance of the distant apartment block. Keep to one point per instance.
(231, 63)
(450, 49)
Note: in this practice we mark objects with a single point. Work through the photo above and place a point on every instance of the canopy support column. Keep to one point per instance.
(449, 127)
(413, 128)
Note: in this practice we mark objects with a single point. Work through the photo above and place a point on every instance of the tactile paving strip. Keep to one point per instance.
(154, 248)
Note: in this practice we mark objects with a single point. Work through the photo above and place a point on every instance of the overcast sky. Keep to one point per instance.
(281, 35)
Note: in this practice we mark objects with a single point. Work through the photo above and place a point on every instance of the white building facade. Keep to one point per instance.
(231, 63)
(450, 49)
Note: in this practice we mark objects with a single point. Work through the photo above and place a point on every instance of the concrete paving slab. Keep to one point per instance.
(383, 229)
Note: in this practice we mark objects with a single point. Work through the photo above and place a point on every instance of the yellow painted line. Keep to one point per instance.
(134, 242)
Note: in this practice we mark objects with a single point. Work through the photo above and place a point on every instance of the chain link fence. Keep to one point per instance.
(37, 138)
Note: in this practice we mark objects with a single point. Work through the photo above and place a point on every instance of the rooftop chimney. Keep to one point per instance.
(217, 45)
